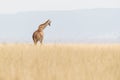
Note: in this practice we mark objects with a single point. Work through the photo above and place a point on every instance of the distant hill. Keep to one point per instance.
(92, 25)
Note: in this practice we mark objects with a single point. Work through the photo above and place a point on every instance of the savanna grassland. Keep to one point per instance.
(60, 62)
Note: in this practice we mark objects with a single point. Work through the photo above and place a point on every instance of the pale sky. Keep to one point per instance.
(13, 6)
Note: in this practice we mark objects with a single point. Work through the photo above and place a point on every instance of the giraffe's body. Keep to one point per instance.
(39, 34)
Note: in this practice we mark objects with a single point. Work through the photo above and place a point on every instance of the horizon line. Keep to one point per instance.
(17, 12)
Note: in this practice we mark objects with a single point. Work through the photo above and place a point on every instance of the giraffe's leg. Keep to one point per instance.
(35, 41)
(41, 40)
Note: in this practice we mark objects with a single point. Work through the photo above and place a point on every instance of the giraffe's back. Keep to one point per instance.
(37, 35)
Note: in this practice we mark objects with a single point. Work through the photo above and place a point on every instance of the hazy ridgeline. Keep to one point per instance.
(60, 62)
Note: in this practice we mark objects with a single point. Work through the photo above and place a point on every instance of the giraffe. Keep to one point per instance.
(39, 34)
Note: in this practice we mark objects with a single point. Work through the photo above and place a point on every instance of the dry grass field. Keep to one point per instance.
(60, 62)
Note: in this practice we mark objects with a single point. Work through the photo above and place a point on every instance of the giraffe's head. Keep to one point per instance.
(49, 22)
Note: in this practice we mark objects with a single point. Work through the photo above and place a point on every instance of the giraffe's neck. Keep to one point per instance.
(43, 26)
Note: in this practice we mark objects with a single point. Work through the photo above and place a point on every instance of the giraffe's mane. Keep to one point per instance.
(43, 23)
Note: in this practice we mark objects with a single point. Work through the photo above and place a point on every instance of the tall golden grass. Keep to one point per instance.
(60, 62)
